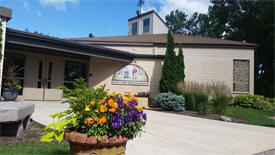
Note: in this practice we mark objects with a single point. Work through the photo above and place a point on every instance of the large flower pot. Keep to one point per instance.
(10, 94)
(81, 144)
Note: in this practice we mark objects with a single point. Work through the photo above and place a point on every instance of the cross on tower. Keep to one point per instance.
(140, 3)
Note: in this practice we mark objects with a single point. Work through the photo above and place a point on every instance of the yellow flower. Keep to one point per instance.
(87, 108)
(126, 99)
(96, 110)
(112, 93)
(92, 102)
(120, 93)
(139, 108)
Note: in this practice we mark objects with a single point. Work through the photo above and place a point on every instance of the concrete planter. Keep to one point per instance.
(10, 94)
(143, 101)
(81, 144)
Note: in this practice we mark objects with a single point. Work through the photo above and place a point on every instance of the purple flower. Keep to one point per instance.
(128, 118)
(144, 116)
(119, 99)
(135, 103)
(120, 121)
(118, 114)
(114, 118)
(121, 106)
(115, 125)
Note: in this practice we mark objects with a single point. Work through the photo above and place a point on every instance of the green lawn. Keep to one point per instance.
(254, 117)
(35, 149)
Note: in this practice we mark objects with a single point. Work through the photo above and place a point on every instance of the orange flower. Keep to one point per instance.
(134, 98)
(139, 108)
(101, 101)
(96, 119)
(114, 105)
(103, 120)
(92, 102)
(103, 108)
(110, 102)
(112, 110)
(86, 122)
(91, 121)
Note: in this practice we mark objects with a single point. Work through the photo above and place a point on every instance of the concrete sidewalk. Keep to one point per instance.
(176, 134)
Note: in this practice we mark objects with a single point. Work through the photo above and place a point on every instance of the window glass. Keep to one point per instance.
(74, 70)
(146, 25)
(16, 62)
(134, 28)
(241, 76)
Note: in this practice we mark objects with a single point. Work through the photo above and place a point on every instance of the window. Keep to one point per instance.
(14, 65)
(74, 70)
(241, 76)
(134, 28)
(146, 25)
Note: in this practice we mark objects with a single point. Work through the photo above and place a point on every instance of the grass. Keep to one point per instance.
(254, 116)
(41, 149)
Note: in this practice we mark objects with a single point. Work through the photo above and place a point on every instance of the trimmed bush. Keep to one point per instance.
(253, 101)
(170, 101)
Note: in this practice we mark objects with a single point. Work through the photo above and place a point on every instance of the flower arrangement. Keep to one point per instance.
(96, 113)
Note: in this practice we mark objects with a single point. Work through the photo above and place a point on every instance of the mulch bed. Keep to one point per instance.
(31, 135)
(196, 114)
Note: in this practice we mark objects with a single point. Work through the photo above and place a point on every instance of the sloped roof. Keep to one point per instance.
(162, 38)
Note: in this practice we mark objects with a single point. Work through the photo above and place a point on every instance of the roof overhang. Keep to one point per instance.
(19, 40)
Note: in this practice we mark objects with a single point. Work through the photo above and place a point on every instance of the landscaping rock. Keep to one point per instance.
(226, 118)
(14, 117)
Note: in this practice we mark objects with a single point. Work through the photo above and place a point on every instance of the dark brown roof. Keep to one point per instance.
(162, 38)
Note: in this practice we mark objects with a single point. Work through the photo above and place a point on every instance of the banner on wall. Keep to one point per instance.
(130, 75)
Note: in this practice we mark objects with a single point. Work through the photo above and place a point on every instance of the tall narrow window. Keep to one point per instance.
(241, 76)
(146, 25)
(134, 28)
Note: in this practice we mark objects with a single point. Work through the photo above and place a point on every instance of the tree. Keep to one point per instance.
(241, 20)
(168, 79)
(176, 21)
(180, 66)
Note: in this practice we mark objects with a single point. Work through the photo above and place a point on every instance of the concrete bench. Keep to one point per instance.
(14, 117)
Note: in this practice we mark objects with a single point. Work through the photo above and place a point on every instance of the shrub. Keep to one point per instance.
(170, 101)
(219, 103)
(190, 103)
(201, 101)
(253, 101)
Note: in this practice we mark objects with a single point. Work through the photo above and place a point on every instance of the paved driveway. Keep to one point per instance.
(176, 134)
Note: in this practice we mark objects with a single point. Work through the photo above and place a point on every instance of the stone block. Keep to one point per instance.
(14, 117)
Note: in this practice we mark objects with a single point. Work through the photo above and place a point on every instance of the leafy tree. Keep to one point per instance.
(180, 66)
(240, 20)
(168, 80)
(176, 21)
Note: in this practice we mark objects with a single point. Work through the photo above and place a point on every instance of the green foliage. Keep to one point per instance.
(219, 103)
(170, 101)
(91, 111)
(168, 82)
(201, 101)
(241, 20)
(180, 66)
(253, 101)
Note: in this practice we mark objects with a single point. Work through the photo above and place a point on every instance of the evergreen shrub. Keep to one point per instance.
(170, 101)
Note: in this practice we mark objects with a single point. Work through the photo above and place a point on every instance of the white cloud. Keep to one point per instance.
(38, 13)
(26, 5)
(188, 6)
(58, 4)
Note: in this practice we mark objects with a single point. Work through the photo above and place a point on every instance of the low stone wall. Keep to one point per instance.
(14, 117)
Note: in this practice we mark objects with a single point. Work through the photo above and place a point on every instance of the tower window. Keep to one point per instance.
(146, 25)
(134, 28)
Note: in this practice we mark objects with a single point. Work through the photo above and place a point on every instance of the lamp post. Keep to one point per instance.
(5, 16)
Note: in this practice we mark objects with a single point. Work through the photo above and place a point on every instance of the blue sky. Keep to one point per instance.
(78, 18)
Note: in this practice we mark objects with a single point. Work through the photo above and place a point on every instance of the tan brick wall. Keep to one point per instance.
(201, 65)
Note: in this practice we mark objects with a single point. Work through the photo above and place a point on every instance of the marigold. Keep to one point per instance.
(114, 105)
(134, 98)
(91, 121)
(87, 108)
(92, 102)
(96, 119)
(86, 122)
(139, 108)
(103, 108)
(110, 102)
(125, 99)
(101, 101)
(103, 120)
(112, 110)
